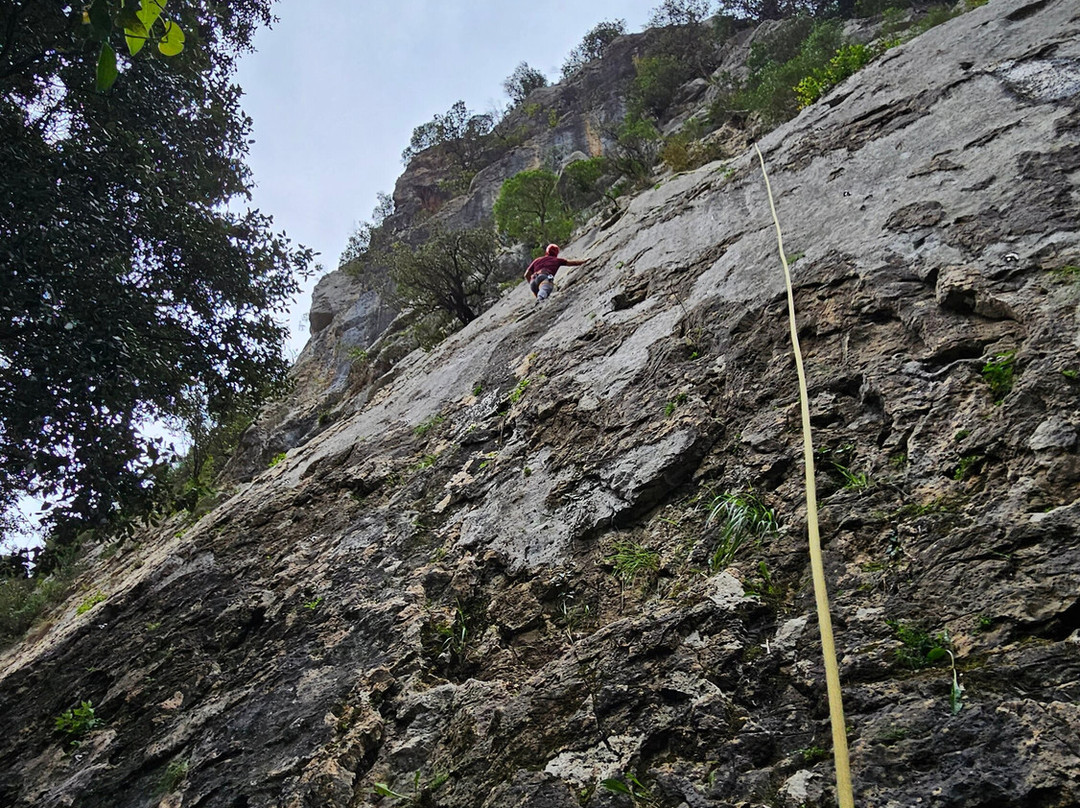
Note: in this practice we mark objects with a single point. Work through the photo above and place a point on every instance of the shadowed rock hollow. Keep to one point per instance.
(429, 595)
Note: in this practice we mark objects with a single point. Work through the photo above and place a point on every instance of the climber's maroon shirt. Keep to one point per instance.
(545, 265)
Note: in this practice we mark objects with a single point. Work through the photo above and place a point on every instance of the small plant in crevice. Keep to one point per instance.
(967, 467)
(573, 614)
(742, 518)
(518, 391)
(998, 374)
(629, 786)
(78, 722)
(383, 790)
(854, 480)
(956, 690)
(919, 648)
(174, 775)
(424, 427)
(312, 605)
(675, 403)
(763, 587)
(456, 633)
(812, 754)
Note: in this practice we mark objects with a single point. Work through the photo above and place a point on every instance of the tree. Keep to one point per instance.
(127, 281)
(593, 45)
(369, 236)
(684, 36)
(449, 272)
(459, 130)
(529, 209)
(521, 82)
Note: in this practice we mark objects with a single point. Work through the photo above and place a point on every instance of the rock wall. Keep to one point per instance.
(489, 586)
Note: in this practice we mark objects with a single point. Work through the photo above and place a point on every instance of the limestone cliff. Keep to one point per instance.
(489, 584)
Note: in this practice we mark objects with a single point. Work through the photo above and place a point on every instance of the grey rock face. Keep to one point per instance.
(488, 582)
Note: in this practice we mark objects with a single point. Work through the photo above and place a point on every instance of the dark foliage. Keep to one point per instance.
(521, 82)
(126, 285)
(593, 45)
(459, 130)
(449, 272)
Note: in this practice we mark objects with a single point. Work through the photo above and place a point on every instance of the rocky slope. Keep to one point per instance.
(437, 593)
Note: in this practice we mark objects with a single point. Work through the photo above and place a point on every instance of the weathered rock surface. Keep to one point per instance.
(425, 595)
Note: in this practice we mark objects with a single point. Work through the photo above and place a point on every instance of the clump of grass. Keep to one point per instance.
(742, 518)
(276, 459)
(631, 560)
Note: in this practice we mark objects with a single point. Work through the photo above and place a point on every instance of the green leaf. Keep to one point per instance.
(383, 790)
(934, 654)
(135, 32)
(106, 67)
(173, 41)
(147, 15)
(616, 786)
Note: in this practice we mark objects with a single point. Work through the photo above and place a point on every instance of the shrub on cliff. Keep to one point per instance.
(593, 45)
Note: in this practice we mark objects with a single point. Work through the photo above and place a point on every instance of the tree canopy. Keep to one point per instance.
(130, 286)
(523, 81)
(530, 209)
(449, 272)
(460, 130)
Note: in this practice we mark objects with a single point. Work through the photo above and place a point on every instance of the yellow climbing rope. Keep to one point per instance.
(821, 595)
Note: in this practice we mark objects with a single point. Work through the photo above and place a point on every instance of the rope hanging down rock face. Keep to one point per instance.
(821, 596)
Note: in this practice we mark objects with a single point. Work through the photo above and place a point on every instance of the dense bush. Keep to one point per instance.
(636, 145)
(770, 88)
(657, 80)
(581, 181)
(847, 61)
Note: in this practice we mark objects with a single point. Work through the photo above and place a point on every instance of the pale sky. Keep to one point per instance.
(336, 87)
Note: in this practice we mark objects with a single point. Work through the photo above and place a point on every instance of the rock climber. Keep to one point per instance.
(541, 272)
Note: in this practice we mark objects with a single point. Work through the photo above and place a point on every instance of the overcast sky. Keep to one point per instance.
(336, 87)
